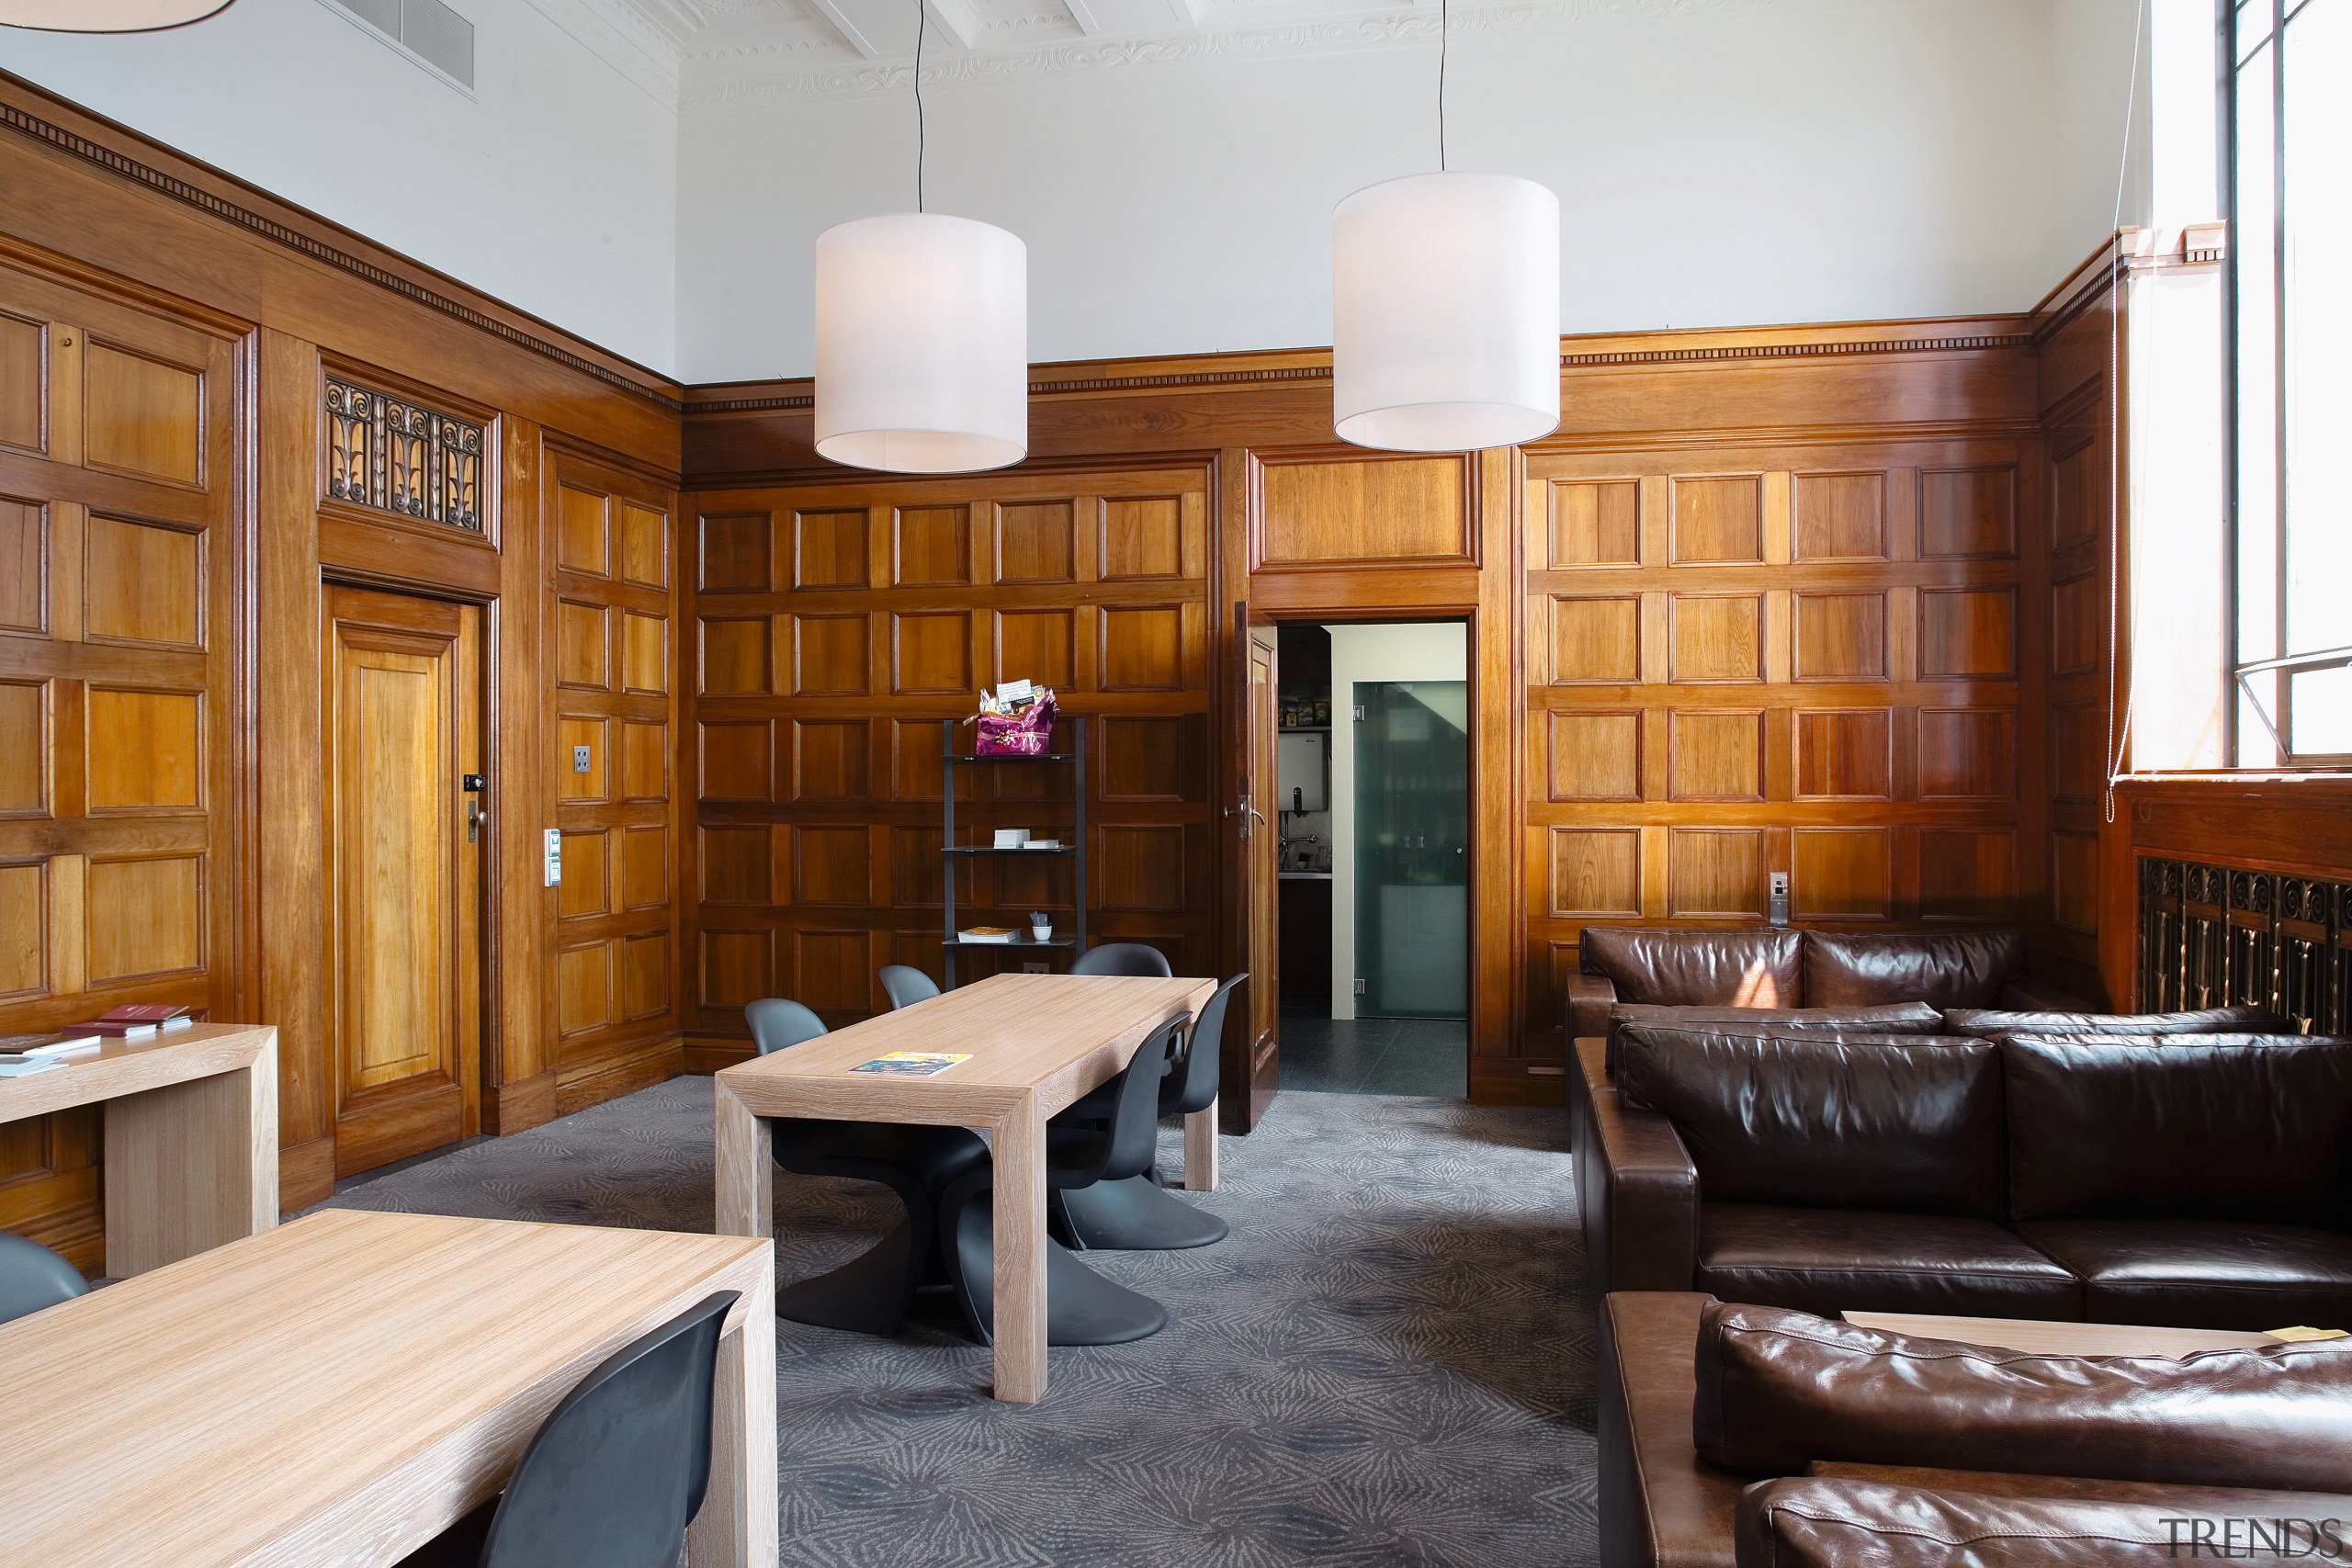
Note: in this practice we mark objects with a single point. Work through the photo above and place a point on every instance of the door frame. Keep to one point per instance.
(1488, 872)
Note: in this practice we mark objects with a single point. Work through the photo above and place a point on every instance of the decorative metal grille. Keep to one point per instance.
(2213, 936)
(403, 457)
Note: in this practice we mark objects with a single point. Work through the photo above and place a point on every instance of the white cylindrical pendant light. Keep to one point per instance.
(1445, 313)
(107, 16)
(922, 344)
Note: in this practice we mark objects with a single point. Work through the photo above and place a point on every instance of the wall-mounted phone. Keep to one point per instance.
(1780, 897)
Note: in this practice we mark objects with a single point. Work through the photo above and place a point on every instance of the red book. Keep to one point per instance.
(138, 1021)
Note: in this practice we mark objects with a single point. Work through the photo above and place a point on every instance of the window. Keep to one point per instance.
(2288, 170)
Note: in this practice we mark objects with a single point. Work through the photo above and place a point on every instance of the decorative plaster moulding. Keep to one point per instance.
(753, 53)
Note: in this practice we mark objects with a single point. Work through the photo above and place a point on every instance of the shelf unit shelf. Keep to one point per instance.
(950, 852)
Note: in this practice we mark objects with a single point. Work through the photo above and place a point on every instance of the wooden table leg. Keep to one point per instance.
(191, 1167)
(737, 1527)
(1020, 1226)
(1200, 1150)
(746, 1173)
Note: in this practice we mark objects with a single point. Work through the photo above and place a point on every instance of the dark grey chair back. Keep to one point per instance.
(620, 1466)
(1192, 1086)
(32, 1277)
(1127, 1141)
(779, 1025)
(1122, 958)
(905, 986)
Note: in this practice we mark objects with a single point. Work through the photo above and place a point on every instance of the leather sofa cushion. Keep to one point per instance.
(2190, 1130)
(1826, 1122)
(1779, 1388)
(1945, 969)
(1808, 1522)
(1833, 1260)
(1901, 1018)
(2203, 1273)
(1697, 966)
(1985, 1023)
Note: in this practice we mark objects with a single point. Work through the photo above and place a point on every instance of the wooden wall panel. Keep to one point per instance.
(1393, 510)
(119, 572)
(618, 926)
(1770, 656)
(819, 794)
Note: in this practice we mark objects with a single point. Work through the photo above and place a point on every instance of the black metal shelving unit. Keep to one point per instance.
(951, 852)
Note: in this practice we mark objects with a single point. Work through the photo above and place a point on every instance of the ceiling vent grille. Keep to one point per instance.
(427, 29)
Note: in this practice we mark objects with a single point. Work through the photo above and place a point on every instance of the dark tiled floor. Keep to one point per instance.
(1375, 1055)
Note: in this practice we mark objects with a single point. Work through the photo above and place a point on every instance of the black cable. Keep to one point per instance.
(923, 18)
(1444, 19)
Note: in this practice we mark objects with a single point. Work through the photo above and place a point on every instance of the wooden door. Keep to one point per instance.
(1252, 1074)
(403, 692)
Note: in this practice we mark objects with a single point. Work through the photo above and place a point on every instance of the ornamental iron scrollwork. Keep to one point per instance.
(400, 457)
(2212, 935)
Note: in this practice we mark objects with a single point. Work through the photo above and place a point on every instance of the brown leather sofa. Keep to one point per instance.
(1768, 966)
(1741, 1437)
(2190, 1181)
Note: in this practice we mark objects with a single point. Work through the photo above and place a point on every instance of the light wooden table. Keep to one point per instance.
(1037, 1044)
(2038, 1337)
(339, 1390)
(191, 1150)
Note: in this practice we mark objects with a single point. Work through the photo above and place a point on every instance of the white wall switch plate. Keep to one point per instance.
(555, 857)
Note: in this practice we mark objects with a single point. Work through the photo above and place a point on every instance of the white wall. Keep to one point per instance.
(1735, 163)
(1437, 651)
(554, 188)
(2094, 157)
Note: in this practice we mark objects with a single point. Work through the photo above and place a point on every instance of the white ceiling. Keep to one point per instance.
(715, 53)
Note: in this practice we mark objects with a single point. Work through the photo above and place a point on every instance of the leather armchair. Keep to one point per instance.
(1639, 1193)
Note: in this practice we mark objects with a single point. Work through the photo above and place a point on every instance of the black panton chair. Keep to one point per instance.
(906, 986)
(1081, 1306)
(1137, 1214)
(1122, 958)
(32, 1277)
(617, 1469)
(870, 1294)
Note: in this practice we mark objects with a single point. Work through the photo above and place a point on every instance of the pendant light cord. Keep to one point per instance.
(922, 19)
(1444, 19)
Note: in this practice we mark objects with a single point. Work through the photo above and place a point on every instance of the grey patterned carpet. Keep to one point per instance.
(1389, 1362)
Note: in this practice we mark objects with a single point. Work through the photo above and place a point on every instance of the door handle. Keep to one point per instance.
(476, 819)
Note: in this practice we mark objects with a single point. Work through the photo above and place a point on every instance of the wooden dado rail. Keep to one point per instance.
(2212, 935)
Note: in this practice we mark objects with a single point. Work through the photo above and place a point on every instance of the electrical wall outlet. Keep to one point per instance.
(1036, 969)
(581, 761)
(555, 857)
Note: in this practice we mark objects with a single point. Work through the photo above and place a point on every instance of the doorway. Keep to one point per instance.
(1373, 854)
(405, 832)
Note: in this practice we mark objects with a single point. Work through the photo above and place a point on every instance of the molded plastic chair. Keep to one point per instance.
(870, 1294)
(1137, 1214)
(1081, 1306)
(32, 1277)
(617, 1469)
(1122, 958)
(906, 986)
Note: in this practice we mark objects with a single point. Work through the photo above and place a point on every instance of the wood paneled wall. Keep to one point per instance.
(120, 565)
(833, 628)
(167, 540)
(2090, 872)
(1812, 658)
(617, 709)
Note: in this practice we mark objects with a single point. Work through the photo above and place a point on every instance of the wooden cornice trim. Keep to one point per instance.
(306, 235)
(1249, 370)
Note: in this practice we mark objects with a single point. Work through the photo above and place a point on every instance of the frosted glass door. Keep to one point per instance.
(1412, 834)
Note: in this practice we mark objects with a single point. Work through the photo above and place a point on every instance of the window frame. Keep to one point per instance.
(2240, 672)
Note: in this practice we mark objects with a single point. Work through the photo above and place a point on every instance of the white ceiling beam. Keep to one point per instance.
(885, 29)
(1098, 18)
